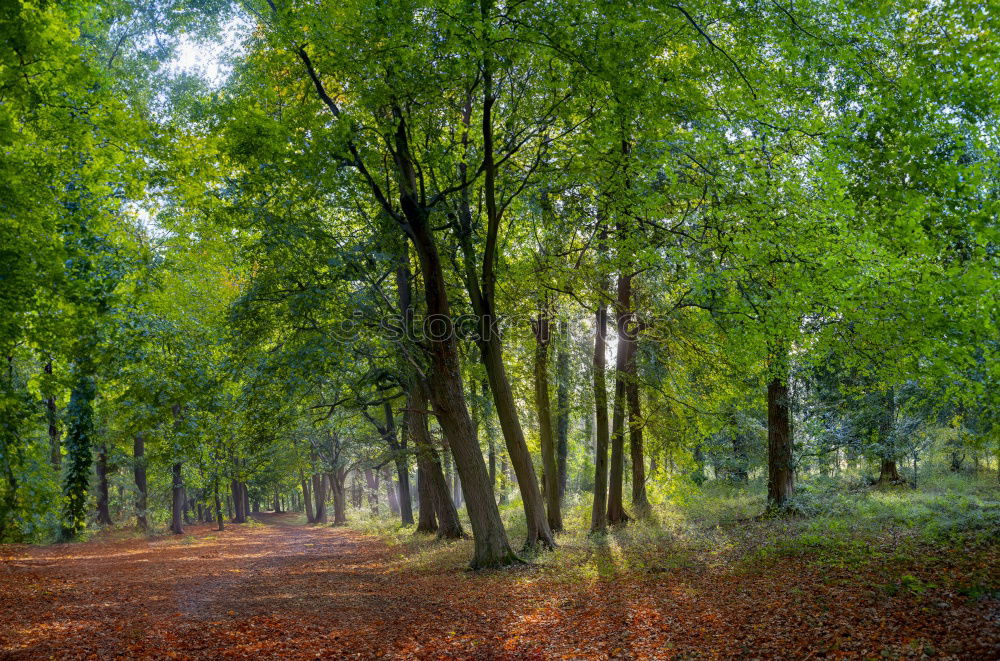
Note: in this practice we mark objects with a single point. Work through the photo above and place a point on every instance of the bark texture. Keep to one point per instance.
(307, 500)
(888, 471)
(177, 501)
(439, 497)
(426, 519)
(139, 476)
(616, 477)
(562, 404)
(491, 548)
(599, 513)
(543, 408)
(640, 500)
(52, 418)
(337, 480)
(319, 493)
(780, 476)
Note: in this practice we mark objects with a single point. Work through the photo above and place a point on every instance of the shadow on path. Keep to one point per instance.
(278, 589)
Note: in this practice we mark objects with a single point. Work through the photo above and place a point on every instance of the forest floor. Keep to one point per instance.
(278, 589)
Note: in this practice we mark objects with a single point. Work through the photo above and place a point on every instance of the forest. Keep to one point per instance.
(500, 329)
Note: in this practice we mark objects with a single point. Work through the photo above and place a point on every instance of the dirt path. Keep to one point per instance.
(278, 590)
(193, 595)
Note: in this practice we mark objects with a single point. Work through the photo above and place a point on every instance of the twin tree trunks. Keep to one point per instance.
(609, 507)
(437, 509)
(443, 378)
(447, 397)
(626, 346)
(399, 499)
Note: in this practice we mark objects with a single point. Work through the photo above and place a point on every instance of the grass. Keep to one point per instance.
(834, 523)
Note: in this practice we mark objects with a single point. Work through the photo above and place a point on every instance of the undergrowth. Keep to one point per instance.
(836, 523)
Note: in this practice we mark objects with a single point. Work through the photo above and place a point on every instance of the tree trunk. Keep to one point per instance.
(372, 481)
(504, 480)
(177, 489)
(780, 475)
(562, 404)
(888, 473)
(246, 500)
(52, 418)
(336, 480)
(139, 473)
(543, 406)
(307, 499)
(319, 492)
(177, 501)
(517, 449)
(103, 513)
(239, 516)
(80, 427)
(438, 499)
(491, 448)
(403, 489)
(218, 504)
(616, 505)
(482, 297)
(426, 520)
(399, 501)
(599, 515)
(640, 501)
(357, 491)
(390, 491)
(491, 548)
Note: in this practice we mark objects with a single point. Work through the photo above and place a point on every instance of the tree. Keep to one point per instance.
(543, 404)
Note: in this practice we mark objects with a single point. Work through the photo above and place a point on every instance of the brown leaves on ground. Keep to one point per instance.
(286, 591)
